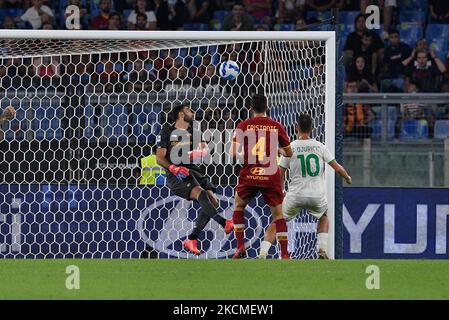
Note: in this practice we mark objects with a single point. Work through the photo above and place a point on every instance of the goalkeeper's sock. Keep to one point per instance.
(322, 241)
(239, 227)
(221, 221)
(264, 248)
(209, 208)
(200, 223)
(206, 206)
(281, 236)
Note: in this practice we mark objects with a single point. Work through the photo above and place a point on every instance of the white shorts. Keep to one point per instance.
(293, 203)
(390, 3)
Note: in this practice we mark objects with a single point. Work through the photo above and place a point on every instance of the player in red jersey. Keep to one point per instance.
(260, 139)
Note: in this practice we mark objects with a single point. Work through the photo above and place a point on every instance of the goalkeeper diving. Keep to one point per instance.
(307, 187)
(180, 155)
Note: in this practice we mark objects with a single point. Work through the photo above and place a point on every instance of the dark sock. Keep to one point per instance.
(221, 221)
(200, 223)
(206, 206)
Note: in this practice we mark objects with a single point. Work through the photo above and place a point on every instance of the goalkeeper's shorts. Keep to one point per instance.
(294, 203)
(184, 188)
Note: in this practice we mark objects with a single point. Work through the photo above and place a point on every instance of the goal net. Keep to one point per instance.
(78, 173)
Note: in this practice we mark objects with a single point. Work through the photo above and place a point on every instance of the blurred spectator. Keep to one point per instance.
(300, 24)
(258, 8)
(13, 73)
(107, 76)
(323, 5)
(199, 10)
(178, 14)
(422, 71)
(101, 22)
(360, 73)
(238, 20)
(141, 22)
(11, 4)
(412, 111)
(45, 70)
(394, 55)
(115, 21)
(211, 77)
(141, 7)
(354, 40)
(352, 5)
(439, 11)
(368, 51)
(262, 27)
(160, 9)
(290, 10)
(37, 14)
(8, 23)
(356, 117)
(139, 79)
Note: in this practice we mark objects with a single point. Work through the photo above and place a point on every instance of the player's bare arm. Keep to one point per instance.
(341, 171)
(286, 151)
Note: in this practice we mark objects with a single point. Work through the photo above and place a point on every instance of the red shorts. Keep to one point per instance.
(273, 195)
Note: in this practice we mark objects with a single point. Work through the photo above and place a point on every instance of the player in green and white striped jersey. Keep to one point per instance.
(307, 187)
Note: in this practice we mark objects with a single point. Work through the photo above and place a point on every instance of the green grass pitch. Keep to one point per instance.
(224, 279)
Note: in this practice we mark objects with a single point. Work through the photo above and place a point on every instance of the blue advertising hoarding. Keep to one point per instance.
(82, 221)
(401, 223)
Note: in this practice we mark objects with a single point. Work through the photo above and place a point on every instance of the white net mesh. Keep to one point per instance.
(78, 176)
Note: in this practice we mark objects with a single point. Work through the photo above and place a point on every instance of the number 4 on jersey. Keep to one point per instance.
(259, 149)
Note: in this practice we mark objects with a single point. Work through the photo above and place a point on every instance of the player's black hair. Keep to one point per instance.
(360, 15)
(393, 31)
(259, 103)
(174, 113)
(305, 123)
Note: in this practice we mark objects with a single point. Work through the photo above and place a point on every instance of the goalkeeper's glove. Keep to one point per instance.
(179, 172)
(197, 154)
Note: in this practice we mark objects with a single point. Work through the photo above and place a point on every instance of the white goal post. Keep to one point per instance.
(22, 54)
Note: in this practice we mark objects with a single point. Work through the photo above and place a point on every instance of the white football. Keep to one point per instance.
(229, 70)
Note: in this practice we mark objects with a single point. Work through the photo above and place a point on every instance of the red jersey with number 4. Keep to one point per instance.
(261, 137)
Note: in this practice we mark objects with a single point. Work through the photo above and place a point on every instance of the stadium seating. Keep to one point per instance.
(284, 27)
(441, 129)
(410, 33)
(220, 15)
(196, 26)
(319, 15)
(392, 85)
(412, 16)
(440, 46)
(415, 5)
(347, 18)
(414, 129)
(437, 31)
